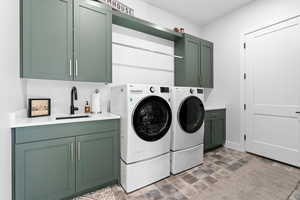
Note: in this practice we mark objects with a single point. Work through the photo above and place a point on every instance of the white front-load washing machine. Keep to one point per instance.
(146, 119)
(187, 128)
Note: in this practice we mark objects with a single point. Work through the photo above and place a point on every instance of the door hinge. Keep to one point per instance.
(245, 137)
(245, 76)
(245, 106)
(245, 45)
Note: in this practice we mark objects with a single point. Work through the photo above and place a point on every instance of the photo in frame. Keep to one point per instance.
(39, 107)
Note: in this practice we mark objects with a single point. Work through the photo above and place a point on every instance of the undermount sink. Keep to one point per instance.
(72, 117)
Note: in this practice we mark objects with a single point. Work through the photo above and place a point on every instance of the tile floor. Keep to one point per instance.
(225, 175)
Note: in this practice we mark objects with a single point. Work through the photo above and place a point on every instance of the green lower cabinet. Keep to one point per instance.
(65, 160)
(218, 132)
(45, 170)
(215, 129)
(208, 135)
(97, 160)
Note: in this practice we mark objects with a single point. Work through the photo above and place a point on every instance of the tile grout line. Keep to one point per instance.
(294, 190)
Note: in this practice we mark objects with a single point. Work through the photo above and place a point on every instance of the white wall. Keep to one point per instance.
(138, 66)
(226, 35)
(10, 87)
(161, 17)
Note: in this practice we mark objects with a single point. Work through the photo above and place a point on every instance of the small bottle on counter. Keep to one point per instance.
(87, 107)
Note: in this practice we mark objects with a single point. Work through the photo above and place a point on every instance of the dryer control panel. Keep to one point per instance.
(164, 90)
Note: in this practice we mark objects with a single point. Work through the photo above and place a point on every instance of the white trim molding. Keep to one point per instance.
(235, 146)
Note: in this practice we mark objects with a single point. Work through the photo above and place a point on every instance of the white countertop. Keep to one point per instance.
(215, 107)
(22, 121)
(19, 122)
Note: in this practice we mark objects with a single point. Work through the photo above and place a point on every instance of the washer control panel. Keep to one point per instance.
(200, 91)
(197, 91)
(160, 89)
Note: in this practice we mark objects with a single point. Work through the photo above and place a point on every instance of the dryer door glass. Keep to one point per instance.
(191, 114)
(152, 118)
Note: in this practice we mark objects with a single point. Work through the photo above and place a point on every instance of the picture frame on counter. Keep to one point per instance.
(39, 107)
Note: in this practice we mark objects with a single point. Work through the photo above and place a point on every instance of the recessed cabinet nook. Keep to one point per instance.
(71, 40)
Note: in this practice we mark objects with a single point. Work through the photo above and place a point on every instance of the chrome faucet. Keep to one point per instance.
(73, 97)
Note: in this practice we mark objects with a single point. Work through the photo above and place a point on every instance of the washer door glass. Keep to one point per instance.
(191, 114)
(152, 118)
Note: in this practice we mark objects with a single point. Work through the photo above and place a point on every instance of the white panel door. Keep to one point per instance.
(273, 92)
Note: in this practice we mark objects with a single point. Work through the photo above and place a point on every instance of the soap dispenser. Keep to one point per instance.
(87, 108)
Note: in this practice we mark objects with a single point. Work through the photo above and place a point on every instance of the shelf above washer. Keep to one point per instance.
(140, 25)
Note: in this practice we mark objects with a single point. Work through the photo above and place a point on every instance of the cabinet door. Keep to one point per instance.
(208, 135)
(47, 39)
(97, 160)
(206, 64)
(192, 62)
(93, 43)
(45, 170)
(218, 132)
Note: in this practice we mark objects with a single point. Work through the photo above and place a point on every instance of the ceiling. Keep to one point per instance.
(200, 12)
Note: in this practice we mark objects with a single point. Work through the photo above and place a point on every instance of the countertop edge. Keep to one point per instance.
(17, 124)
(215, 107)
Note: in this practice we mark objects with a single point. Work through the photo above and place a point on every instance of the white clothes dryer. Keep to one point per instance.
(187, 128)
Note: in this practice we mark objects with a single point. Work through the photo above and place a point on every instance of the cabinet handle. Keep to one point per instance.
(200, 74)
(199, 71)
(78, 149)
(72, 152)
(70, 63)
(76, 68)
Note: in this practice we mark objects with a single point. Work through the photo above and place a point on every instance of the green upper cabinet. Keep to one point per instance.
(196, 67)
(46, 39)
(66, 40)
(98, 161)
(45, 170)
(207, 60)
(192, 62)
(92, 42)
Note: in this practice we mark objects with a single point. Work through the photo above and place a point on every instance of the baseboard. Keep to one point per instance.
(235, 146)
